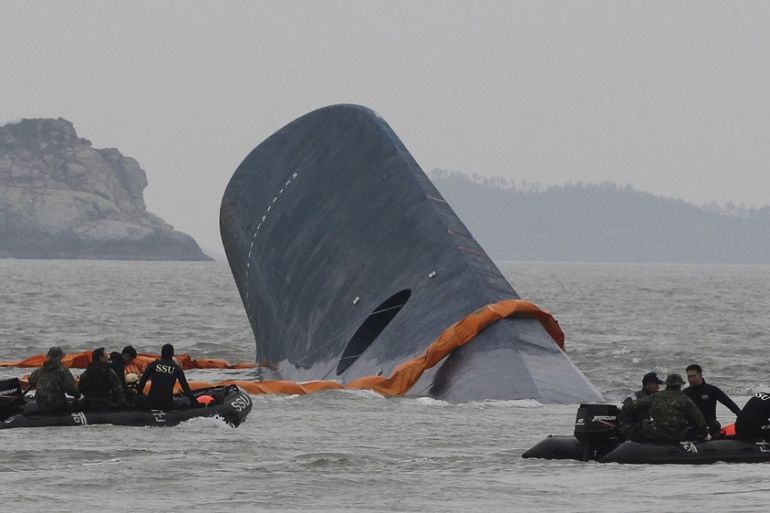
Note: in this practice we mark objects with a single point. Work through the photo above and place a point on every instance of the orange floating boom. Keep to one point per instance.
(406, 375)
(82, 359)
(398, 383)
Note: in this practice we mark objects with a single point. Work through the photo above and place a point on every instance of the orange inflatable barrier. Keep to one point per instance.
(82, 359)
(398, 383)
(406, 375)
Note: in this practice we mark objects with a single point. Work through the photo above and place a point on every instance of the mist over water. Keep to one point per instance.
(356, 451)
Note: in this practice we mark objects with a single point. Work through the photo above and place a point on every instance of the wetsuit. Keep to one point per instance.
(754, 417)
(164, 373)
(705, 397)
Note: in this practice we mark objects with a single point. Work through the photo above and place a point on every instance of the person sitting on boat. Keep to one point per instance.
(628, 421)
(650, 385)
(130, 363)
(116, 364)
(705, 397)
(52, 381)
(163, 374)
(100, 385)
(753, 422)
(671, 415)
(119, 363)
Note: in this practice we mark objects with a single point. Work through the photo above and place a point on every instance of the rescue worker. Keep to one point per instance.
(671, 416)
(52, 381)
(628, 421)
(705, 397)
(753, 421)
(163, 374)
(130, 363)
(116, 364)
(100, 385)
(650, 385)
(120, 363)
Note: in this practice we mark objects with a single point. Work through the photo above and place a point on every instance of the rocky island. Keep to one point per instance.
(62, 198)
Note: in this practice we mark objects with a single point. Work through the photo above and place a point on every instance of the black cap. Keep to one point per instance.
(651, 377)
(167, 351)
(130, 351)
(96, 354)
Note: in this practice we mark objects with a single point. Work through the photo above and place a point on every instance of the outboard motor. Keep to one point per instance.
(596, 428)
(11, 397)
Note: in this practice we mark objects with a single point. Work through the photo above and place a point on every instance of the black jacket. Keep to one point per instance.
(705, 397)
(754, 416)
(164, 373)
(99, 381)
(116, 363)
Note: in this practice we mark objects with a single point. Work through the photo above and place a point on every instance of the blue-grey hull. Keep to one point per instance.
(349, 262)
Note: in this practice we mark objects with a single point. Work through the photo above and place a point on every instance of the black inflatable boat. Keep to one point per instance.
(229, 403)
(596, 438)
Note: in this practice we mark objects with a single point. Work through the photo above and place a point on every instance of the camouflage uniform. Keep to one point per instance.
(671, 415)
(52, 381)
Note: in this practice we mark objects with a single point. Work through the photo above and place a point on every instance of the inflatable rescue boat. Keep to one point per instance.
(230, 403)
(596, 438)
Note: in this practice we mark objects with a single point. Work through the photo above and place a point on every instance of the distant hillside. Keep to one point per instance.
(62, 198)
(602, 223)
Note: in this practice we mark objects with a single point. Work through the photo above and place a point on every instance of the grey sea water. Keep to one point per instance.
(343, 451)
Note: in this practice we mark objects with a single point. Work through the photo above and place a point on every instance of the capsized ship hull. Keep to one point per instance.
(349, 262)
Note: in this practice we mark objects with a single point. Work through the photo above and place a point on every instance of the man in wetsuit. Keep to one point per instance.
(753, 421)
(164, 373)
(628, 421)
(671, 415)
(52, 381)
(100, 385)
(705, 397)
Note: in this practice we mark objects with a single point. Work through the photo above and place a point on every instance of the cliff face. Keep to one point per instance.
(62, 198)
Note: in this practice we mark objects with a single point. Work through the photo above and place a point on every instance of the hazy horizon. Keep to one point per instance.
(671, 98)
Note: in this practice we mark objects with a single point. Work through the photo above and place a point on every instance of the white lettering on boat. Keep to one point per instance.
(80, 418)
(240, 403)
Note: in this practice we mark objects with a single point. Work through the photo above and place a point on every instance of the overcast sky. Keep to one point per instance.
(671, 97)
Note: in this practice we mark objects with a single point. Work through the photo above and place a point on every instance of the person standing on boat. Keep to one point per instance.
(52, 381)
(163, 374)
(671, 415)
(100, 385)
(627, 421)
(705, 397)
